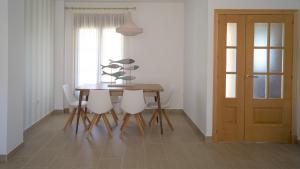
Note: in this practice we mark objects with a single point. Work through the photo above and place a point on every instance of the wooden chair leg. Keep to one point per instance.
(114, 115)
(83, 119)
(70, 119)
(154, 121)
(152, 118)
(139, 124)
(74, 111)
(167, 118)
(98, 119)
(87, 118)
(142, 119)
(93, 122)
(106, 122)
(124, 125)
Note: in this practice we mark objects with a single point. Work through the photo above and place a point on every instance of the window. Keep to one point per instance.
(112, 49)
(96, 47)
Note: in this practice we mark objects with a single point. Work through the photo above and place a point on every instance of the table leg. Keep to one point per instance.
(159, 112)
(78, 111)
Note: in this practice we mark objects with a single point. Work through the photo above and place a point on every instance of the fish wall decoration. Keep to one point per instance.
(112, 66)
(123, 61)
(117, 74)
(122, 69)
(126, 77)
(135, 67)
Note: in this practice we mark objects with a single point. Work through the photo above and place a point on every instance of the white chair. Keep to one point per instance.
(165, 103)
(100, 104)
(133, 103)
(73, 105)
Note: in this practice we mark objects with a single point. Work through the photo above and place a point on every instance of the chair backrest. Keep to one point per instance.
(68, 94)
(99, 101)
(166, 99)
(133, 101)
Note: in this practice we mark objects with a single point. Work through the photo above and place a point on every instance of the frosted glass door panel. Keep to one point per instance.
(260, 60)
(276, 87)
(259, 87)
(230, 86)
(260, 34)
(231, 34)
(277, 35)
(231, 60)
(276, 60)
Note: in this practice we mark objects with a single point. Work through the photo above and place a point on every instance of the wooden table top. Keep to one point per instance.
(108, 86)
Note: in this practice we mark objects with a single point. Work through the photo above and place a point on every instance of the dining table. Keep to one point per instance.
(152, 90)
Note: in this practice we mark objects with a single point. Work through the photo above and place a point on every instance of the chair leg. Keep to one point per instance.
(139, 123)
(74, 111)
(114, 115)
(93, 122)
(126, 119)
(152, 118)
(107, 125)
(70, 119)
(154, 121)
(87, 118)
(142, 119)
(167, 118)
(82, 114)
(98, 119)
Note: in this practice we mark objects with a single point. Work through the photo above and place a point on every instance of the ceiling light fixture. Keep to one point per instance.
(129, 28)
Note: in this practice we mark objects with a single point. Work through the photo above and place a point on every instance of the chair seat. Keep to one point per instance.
(76, 103)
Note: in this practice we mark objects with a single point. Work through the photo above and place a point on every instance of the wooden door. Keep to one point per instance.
(268, 97)
(253, 78)
(230, 77)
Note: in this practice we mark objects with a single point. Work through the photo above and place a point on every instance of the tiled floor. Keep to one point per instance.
(47, 146)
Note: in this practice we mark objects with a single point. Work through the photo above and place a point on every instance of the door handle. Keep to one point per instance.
(252, 76)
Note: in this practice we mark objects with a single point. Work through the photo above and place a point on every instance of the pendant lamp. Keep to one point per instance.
(129, 28)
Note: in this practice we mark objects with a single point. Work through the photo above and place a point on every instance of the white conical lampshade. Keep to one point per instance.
(129, 28)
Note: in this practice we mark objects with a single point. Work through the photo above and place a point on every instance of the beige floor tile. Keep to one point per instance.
(155, 152)
(110, 163)
(134, 157)
(15, 163)
(47, 146)
(156, 164)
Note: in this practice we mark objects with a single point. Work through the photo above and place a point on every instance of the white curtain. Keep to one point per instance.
(91, 40)
(95, 43)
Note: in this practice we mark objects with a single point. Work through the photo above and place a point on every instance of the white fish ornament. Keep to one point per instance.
(123, 61)
(135, 67)
(116, 75)
(112, 66)
(126, 77)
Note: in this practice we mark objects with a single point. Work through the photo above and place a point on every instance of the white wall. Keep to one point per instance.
(15, 63)
(12, 74)
(233, 4)
(195, 62)
(39, 37)
(159, 50)
(59, 53)
(3, 74)
(16, 74)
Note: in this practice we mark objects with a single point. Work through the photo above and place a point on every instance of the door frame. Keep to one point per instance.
(217, 13)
